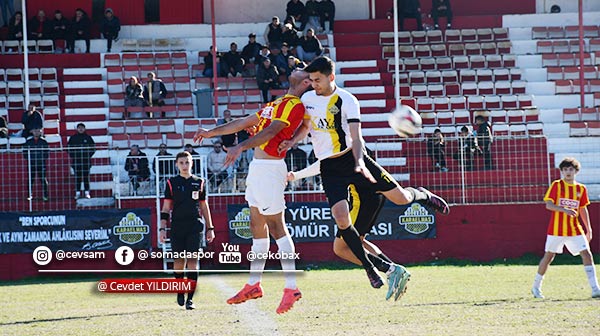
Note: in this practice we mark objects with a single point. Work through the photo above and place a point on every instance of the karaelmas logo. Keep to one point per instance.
(131, 229)
(416, 219)
(241, 224)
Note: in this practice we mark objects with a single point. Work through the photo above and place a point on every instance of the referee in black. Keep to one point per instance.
(185, 194)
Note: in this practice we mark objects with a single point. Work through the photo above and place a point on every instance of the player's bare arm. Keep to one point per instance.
(228, 128)
(553, 207)
(357, 151)
(210, 229)
(167, 206)
(261, 137)
(585, 218)
(301, 133)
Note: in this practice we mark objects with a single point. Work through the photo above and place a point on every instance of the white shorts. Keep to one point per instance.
(575, 244)
(265, 185)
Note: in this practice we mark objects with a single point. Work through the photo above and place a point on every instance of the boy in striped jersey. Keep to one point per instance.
(568, 202)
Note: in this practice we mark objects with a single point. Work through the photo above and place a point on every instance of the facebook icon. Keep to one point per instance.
(124, 255)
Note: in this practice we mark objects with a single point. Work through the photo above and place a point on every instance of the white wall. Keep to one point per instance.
(567, 6)
(243, 11)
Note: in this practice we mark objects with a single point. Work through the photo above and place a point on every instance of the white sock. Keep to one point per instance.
(259, 246)
(390, 270)
(286, 245)
(537, 282)
(590, 271)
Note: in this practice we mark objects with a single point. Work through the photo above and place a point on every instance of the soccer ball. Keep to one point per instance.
(405, 121)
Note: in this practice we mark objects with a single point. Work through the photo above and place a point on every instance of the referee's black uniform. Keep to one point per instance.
(186, 222)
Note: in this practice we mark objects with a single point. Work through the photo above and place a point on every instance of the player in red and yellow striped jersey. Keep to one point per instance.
(568, 202)
(266, 183)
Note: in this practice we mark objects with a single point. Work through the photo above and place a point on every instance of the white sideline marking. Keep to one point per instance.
(257, 321)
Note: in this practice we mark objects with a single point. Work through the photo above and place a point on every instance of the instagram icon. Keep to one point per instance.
(42, 255)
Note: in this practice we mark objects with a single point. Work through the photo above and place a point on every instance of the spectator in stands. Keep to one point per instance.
(326, 9)
(196, 158)
(111, 25)
(436, 148)
(208, 65)
(80, 30)
(310, 47)
(8, 10)
(313, 16)
(81, 149)
(227, 140)
(166, 168)
(274, 33)
(296, 159)
(279, 59)
(485, 139)
(32, 119)
(289, 36)
(264, 53)
(39, 27)
(60, 28)
(467, 148)
(441, 8)
(134, 93)
(295, 9)
(155, 91)
(15, 27)
(233, 61)
(409, 9)
(267, 78)
(251, 50)
(136, 165)
(3, 127)
(217, 172)
(36, 153)
(293, 63)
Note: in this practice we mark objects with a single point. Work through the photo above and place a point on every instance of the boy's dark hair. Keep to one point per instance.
(437, 130)
(569, 162)
(183, 154)
(464, 129)
(479, 117)
(322, 64)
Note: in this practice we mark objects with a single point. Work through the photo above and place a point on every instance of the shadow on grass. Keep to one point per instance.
(73, 318)
(526, 260)
(491, 302)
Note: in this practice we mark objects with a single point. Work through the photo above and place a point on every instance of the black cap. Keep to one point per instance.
(251, 35)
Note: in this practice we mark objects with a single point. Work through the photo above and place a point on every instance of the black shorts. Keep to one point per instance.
(186, 236)
(365, 207)
(338, 173)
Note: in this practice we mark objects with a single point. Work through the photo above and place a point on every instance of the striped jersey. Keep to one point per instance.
(329, 116)
(573, 196)
(288, 109)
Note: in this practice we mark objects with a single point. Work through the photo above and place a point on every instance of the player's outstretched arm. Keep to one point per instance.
(357, 151)
(301, 133)
(312, 170)
(261, 137)
(227, 128)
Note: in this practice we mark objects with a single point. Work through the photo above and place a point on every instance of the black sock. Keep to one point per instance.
(384, 257)
(192, 276)
(418, 195)
(379, 263)
(352, 239)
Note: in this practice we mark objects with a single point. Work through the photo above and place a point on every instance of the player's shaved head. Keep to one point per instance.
(297, 77)
(299, 82)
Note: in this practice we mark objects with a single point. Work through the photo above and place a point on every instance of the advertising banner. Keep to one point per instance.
(75, 230)
(312, 222)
